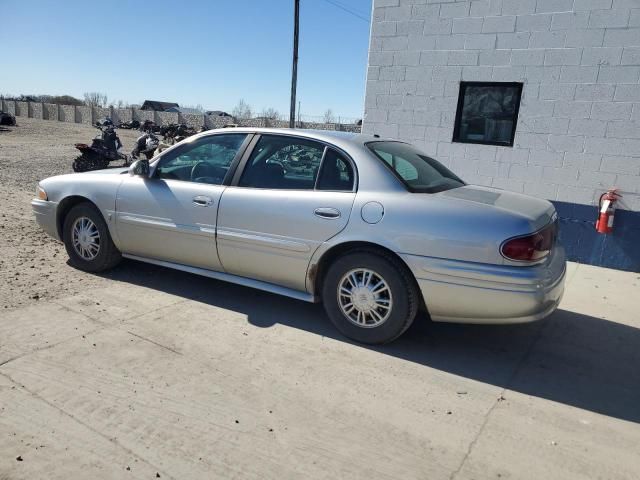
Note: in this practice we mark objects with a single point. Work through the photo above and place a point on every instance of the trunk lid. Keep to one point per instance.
(537, 212)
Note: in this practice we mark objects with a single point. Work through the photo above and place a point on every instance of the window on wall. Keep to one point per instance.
(487, 113)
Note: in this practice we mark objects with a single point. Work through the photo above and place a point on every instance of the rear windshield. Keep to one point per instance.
(420, 173)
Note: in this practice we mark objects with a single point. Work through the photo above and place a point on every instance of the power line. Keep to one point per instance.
(348, 5)
(350, 12)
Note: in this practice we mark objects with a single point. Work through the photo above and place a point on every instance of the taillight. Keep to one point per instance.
(530, 248)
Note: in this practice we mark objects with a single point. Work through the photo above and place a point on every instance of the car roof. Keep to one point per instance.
(335, 137)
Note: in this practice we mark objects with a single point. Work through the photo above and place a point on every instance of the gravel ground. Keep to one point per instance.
(37, 149)
(32, 265)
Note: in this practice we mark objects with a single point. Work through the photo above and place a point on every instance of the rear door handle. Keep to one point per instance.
(327, 212)
(202, 201)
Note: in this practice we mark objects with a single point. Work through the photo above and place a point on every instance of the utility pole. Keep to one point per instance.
(294, 70)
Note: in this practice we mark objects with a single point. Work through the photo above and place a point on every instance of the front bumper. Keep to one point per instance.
(45, 212)
(466, 292)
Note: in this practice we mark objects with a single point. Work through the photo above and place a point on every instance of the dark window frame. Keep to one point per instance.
(461, 95)
(183, 147)
(346, 160)
(243, 162)
(248, 165)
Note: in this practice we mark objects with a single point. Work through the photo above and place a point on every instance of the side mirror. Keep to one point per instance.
(139, 168)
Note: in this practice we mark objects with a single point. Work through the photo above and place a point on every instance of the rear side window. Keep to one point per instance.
(290, 163)
(283, 163)
(336, 173)
(419, 172)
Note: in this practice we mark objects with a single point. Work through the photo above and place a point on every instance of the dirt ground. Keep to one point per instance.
(32, 265)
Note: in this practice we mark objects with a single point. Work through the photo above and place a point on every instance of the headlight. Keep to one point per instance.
(41, 194)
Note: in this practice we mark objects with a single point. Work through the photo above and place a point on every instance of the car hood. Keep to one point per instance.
(83, 177)
(107, 171)
(536, 211)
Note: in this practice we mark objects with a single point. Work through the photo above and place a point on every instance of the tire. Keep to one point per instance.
(81, 164)
(384, 324)
(85, 163)
(107, 255)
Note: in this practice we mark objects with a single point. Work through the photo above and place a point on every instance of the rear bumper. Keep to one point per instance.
(45, 213)
(466, 292)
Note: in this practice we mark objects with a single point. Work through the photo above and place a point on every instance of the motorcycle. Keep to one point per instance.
(7, 119)
(146, 144)
(149, 126)
(176, 130)
(104, 148)
(131, 125)
(104, 122)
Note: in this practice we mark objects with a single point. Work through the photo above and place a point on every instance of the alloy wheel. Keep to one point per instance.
(364, 298)
(85, 238)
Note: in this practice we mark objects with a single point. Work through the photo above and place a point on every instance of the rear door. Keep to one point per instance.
(172, 215)
(291, 195)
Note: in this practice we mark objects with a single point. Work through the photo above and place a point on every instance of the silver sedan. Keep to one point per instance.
(373, 228)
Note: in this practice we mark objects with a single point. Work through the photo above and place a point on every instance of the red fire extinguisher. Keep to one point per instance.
(606, 209)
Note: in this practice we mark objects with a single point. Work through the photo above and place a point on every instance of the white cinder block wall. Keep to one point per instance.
(578, 127)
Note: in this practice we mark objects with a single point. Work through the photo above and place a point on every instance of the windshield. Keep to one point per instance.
(420, 173)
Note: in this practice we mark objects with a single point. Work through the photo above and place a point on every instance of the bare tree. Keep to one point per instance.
(197, 107)
(328, 116)
(95, 99)
(270, 113)
(242, 110)
(58, 99)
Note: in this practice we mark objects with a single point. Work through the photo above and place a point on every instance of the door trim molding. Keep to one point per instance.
(155, 223)
(262, 240)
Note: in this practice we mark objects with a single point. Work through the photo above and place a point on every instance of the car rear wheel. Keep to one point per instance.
(87, 240)
(370, 297)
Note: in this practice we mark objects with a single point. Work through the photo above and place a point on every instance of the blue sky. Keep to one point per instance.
(192, 51)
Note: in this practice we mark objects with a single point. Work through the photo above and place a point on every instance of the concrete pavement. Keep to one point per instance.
(168, 375)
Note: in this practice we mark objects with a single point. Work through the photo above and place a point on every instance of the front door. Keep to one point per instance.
(293, 195)
(172, 215)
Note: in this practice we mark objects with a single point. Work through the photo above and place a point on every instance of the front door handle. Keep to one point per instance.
(327, 212)
(202, 201)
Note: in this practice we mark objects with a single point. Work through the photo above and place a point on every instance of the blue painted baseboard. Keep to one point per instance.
(620, 250)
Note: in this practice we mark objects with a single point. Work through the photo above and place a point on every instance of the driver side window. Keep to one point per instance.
(206, 160)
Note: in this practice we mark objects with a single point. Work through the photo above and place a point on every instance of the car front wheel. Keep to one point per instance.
(369, 297)
(87, 239)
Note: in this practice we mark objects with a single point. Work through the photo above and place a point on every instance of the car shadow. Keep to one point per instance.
(570, 358)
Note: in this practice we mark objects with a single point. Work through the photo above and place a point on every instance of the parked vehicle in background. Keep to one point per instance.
(130, 125)
(176, 132)
(373, 228)
(146, 145)
(105, 148)
(7, 119)
(104, 122)
(149, 126)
